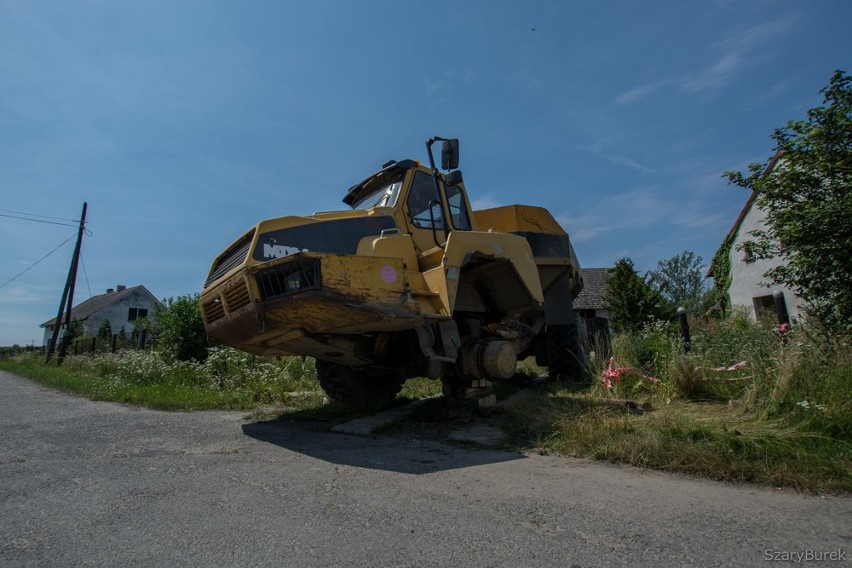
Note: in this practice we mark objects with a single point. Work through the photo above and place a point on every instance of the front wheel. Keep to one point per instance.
(357, 387)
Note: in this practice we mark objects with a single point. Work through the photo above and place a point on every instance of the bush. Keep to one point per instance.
(180, 329)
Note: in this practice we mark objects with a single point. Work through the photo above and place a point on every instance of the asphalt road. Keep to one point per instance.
(100, 484)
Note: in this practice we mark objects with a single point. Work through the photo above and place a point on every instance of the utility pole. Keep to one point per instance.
(68, 293)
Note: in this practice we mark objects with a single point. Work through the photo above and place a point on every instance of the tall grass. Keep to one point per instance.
(227, 379)
(784, 418)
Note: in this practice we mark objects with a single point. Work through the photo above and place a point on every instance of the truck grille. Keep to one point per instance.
(289, 279)
(233, 257)
(237, 297)
(213, 310)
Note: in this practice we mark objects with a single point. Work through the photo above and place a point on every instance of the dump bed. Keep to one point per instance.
(549, 242)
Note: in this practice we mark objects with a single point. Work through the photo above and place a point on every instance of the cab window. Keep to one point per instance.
(458, 208)
(385, 196)
(423, 204)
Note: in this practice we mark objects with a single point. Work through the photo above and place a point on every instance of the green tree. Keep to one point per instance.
(181, 330)
(808, 206)
(73, 331)
(632, 302)
(105, 330)
(679, 281)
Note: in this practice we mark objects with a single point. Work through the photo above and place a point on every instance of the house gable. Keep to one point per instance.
(748, 287)
(120, 308)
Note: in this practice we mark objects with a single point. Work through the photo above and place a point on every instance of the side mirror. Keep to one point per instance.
(453, 178)
(450, 154)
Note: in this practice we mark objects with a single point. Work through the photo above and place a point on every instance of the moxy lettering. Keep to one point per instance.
(280, 251)
(804, 556)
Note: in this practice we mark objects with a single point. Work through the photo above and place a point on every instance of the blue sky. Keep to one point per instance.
(183, 123)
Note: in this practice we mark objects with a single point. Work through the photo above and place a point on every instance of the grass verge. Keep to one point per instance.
(227, 380)
(710, 439)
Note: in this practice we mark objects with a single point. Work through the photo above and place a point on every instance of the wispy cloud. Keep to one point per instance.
(601, 149)
(528, 79)
(735, 51)
(634, 209)
(484, 202)
(695, 210)
(713, 76)
(641, 91)
(444, 84)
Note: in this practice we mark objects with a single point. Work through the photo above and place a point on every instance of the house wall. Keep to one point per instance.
(117, 314)
(747, 280)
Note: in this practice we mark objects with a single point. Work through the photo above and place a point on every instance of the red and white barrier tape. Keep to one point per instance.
(613, 373)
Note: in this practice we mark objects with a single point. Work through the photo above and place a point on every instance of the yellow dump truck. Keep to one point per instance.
(408, 282)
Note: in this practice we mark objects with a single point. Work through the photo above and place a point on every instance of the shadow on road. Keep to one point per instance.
(411, 456)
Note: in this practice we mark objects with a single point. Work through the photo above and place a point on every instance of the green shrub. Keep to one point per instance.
(180, 329)
(228, 378)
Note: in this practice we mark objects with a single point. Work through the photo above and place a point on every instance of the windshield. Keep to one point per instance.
(385, 196)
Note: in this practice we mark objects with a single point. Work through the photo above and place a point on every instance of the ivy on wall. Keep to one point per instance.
(721, 266)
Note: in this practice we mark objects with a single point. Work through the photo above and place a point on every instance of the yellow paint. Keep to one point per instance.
(518, 219)
(462, 244)
(393, 246)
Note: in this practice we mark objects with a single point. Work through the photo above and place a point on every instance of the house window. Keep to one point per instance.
(134, 313)
(763, 306)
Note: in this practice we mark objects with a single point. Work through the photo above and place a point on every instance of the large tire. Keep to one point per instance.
(355, 387)
(566, 358)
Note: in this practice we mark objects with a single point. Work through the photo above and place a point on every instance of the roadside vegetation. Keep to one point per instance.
(226, 379)
(742, 405)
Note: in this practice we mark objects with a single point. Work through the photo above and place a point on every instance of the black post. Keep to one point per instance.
(51, 346)
(76, 346)
(114, 340)
(684, 329)
(73, 277)
(67, 293)
(94, 344)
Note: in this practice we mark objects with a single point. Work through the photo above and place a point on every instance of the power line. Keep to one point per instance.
(86, 274)
(30, 267)
(39, 215)
(39, 220)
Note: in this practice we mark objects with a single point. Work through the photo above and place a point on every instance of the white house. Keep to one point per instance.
(748, 287)
(120, 306)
